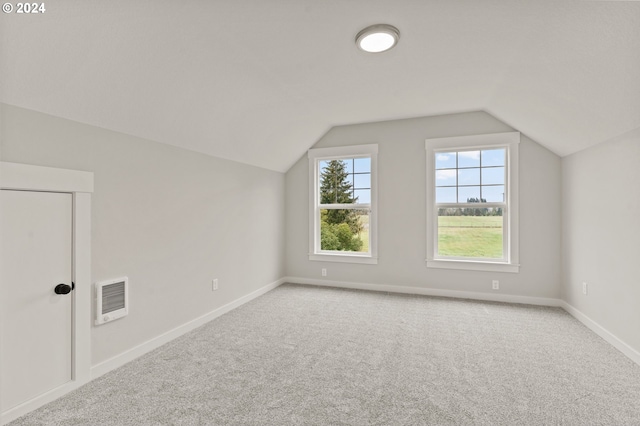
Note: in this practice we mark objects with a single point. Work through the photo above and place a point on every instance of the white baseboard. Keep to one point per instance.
(37, 402)
(609, 337)
(497, 297)
(125, 357)
(633, 354)
(119, 360)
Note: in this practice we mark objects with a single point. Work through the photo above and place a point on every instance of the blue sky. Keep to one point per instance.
(459, 176)
(359, 170)
(470, 174)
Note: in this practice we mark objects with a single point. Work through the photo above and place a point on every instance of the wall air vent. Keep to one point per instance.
(112, 300)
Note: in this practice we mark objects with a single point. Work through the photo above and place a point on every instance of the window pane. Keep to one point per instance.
(469, 159)
(493, 194)
(446, 177)
(348, 164)
(493, 157)
(344, 230)
(469, 194)
(349, 179)
(476, 232)
(362, 165)
(445, 160)
(362, 181)
(322, 166)
(362, 196)
(446, 195)
(493, 176)
(469, 177)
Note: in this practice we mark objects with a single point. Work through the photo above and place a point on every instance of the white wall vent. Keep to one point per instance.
(112, 300)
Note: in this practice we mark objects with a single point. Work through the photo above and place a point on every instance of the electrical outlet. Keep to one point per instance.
(585, 289)
(495, 284)
(214, 285)
(324, 272)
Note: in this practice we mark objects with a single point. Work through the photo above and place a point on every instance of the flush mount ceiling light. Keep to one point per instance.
(377, 38)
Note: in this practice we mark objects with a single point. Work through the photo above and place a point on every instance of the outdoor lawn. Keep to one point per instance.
(459, 236)
(470, 236)
(364, 233)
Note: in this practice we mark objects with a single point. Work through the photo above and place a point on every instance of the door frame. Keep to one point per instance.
(25, 177)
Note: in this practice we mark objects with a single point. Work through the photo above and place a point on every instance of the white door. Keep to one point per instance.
(35, 256)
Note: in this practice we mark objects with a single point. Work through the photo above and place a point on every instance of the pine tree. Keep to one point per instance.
(340, 227)
(334, 186)
(336, 189)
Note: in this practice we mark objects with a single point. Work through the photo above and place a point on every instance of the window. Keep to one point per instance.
(472, 208)
(342, 204)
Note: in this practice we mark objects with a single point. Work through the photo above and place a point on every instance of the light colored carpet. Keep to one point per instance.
(312, 355)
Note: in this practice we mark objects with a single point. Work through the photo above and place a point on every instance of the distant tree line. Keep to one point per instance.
(471, 211)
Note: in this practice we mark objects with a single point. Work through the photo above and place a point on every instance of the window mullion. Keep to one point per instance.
(457, 177)
(345, 206)
(469, 205)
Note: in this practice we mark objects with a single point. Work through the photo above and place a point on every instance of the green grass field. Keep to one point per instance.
(460, 236)
(470, 236)
(364, 234)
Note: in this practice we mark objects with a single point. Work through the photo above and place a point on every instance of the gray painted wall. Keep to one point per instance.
(172, 220)
(402, 210)
(169, 219)
(601, 234)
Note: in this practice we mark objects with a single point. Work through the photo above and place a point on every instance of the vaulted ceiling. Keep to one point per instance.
(260, 81)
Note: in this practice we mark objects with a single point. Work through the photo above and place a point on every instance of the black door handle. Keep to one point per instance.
(64, 288)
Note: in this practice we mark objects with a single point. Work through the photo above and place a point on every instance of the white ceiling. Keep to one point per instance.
(260, 81)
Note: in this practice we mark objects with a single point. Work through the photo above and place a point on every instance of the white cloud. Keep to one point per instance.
(474, 155)
(442, 157)
(445, 174)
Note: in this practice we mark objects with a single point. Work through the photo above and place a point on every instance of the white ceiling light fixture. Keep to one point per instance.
(377, 38)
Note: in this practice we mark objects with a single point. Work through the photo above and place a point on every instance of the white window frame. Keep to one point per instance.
(508, 140)
(336, 153)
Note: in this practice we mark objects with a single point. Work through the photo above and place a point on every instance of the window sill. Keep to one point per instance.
(468, 265)
(353, 258)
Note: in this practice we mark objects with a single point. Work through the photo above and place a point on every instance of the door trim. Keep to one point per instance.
(26, 177)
